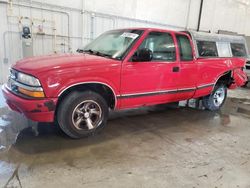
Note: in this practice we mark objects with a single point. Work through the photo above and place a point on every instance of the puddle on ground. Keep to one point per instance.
(21, 140)
(12, 123)
(243, 111)
(18, 131)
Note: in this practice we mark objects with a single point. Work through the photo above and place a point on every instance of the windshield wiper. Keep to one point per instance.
(79, 50)
(102, 54)
(95, 53)
(89, 51)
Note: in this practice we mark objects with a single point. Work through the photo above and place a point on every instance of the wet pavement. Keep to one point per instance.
(159, 146)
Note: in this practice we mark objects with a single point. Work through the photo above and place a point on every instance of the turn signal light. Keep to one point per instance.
(35, 94)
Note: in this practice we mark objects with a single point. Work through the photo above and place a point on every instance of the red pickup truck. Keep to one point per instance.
(121, 69)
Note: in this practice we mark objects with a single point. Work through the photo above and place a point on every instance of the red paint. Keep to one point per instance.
(35, 110)
(59, 72)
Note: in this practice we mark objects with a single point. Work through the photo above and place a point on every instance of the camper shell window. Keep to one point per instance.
(207, 49)
(238, 50)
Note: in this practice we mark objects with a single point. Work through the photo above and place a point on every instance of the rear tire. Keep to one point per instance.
(82, 114)
(216, 99)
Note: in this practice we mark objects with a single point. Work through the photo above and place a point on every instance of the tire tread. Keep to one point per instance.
(208, 100)
(62, 113)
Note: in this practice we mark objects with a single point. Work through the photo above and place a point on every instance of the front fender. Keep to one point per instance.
(54, 82)
(88, 81)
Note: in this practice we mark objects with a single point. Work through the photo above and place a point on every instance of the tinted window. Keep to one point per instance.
(207, 49)
(185, 49)
(238, 50)
(162, 46)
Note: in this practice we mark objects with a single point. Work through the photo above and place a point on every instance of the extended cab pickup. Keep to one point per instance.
(121, 69)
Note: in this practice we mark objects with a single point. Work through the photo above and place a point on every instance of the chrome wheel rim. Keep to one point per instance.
(219, 96)
(87, 115)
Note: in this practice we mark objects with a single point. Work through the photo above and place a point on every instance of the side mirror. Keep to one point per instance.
(143, 55)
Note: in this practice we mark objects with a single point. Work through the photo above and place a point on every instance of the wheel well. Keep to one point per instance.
(99, 88)
(226, 79)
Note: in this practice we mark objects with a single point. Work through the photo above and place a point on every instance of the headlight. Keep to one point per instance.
(24, 84)
(27, 79)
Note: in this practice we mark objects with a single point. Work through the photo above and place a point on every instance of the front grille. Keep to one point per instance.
(11, 85)
(11, 80)
(13, 74)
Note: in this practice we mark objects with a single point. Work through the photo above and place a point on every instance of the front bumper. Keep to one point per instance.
(40, 110)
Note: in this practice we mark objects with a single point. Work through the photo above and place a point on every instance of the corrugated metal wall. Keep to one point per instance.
(55, 29)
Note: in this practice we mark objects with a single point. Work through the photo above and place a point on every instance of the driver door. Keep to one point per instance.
(150, 82)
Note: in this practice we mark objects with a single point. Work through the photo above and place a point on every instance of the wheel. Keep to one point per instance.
(216, 99)
(82, 114)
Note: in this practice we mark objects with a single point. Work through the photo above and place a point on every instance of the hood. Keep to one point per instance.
(58, 61)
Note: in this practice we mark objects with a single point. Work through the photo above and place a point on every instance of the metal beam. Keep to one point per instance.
(200, 14)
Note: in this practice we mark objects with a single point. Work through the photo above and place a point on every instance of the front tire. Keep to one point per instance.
(82, 114)
(216, 99)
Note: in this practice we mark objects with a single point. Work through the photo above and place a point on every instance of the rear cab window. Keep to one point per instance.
(185, 48)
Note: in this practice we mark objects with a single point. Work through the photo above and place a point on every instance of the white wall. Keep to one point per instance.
(167, 11)
(231, 15)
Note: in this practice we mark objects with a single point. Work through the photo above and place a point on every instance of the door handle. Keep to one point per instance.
(176, 69)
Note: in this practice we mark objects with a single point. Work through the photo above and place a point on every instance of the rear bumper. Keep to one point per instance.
(36, 110)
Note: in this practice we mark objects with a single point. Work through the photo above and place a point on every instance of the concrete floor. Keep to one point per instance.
(160, 146)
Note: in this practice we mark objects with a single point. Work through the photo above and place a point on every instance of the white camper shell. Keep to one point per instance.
(218, 45)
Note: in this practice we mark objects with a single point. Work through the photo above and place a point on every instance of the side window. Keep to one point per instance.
(207, 49)
(162, 46)
(238, 50)
(185, 49)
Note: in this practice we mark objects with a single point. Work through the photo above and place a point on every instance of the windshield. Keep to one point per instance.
(113, 44)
